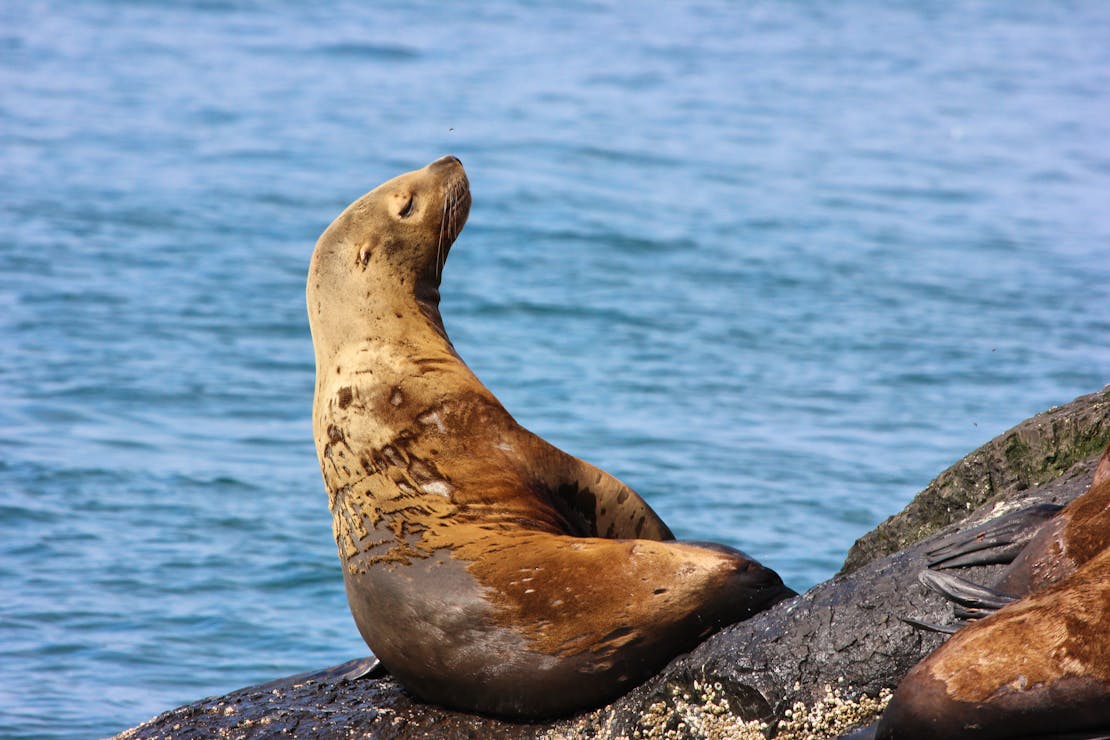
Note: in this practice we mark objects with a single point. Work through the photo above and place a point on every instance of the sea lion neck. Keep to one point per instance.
(416, 317)
(427, 300)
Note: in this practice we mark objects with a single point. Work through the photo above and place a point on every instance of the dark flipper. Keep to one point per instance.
(996, 541)
(970, 601)
(981, 600)
(968, 614)
(944, 629)
(367, 668)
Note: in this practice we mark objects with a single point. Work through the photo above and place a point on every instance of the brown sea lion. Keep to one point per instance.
(488, 570)
(1039, 666)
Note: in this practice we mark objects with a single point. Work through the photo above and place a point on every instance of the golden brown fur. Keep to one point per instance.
(487, 569)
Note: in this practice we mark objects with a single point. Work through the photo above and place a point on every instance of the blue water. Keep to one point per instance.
(774, 264)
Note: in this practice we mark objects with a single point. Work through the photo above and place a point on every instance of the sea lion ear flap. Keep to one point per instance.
(364, 253)
(365, 250)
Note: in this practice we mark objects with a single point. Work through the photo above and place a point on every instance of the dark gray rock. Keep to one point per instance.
(810, 667)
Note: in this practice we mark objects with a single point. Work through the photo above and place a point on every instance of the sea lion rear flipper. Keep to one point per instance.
(981, 600)
(996, 541)
(945, 629)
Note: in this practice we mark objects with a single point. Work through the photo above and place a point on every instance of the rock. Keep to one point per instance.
(813, 666)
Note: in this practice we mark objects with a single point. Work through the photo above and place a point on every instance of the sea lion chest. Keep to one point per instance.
(412, 447)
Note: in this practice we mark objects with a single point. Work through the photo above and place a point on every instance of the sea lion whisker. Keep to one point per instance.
(454, 213)
(439, 243)
(449, 227)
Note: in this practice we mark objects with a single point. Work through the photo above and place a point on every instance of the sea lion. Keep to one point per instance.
(1040, 665)
(488, 570)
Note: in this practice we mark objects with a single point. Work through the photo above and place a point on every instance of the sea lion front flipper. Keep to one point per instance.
(996, 541)
(617, 512)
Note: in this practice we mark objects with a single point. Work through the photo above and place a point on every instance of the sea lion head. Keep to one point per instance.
(388, 246)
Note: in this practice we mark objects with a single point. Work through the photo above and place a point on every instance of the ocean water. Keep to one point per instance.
(776, 265)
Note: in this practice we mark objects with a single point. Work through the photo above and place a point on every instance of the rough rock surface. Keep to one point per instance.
(811, 667)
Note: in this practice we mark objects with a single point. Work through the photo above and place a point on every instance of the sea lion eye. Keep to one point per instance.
(407, 210)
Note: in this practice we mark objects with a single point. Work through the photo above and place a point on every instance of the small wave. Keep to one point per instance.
(366, 50)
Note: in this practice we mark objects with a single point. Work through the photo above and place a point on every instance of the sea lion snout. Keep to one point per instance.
(447, 160)
(749, 575)
(760, 584)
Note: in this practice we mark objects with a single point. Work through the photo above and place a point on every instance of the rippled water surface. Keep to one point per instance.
(774, 264)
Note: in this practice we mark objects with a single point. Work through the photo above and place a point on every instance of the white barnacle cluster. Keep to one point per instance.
(831, 716)
(702, 711)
